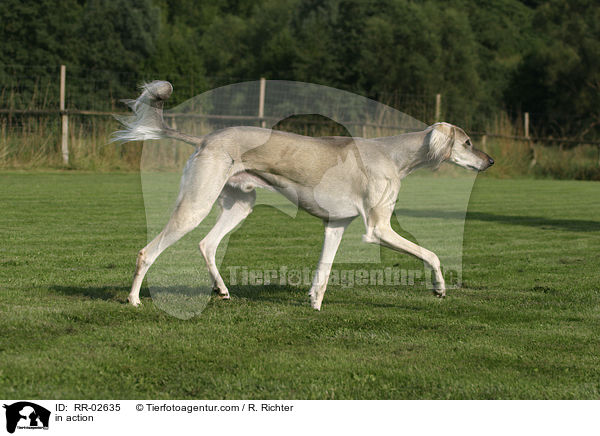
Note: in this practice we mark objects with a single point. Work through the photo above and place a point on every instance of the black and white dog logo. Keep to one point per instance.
(26, 415)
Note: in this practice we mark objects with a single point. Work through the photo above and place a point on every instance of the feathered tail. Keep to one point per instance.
(147, 121)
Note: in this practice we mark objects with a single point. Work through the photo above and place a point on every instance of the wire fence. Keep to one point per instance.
(30, 107)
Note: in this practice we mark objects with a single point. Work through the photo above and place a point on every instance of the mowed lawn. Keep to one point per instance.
(525, 324)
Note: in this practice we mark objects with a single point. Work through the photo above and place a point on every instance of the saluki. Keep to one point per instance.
(333, 178)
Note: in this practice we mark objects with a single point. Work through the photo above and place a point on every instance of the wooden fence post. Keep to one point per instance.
(64, 146)
(261, 102)
(529, 141)
(484, 143)
(438, 108)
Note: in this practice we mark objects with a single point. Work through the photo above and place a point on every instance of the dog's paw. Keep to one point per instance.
(134, 301)
(315, 302)
(440, 293)
(222, 294)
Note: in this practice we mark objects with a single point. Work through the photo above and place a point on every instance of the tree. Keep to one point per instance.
(559, 77)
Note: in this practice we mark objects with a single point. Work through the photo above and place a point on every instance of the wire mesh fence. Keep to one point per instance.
(30, 124)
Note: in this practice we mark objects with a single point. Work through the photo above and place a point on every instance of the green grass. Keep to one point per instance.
(524, 325)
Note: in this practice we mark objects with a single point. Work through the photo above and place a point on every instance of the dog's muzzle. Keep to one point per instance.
(487, 160)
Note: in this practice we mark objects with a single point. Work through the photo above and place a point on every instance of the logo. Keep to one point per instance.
(26, 415)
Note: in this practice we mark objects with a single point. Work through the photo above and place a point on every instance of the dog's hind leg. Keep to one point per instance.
(202, 181)
(334, 230)
(236, 205)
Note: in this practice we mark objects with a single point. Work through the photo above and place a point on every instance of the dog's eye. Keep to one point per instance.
(468, 143)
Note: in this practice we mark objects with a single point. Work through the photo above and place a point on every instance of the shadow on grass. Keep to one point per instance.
(250, 292)
(276, 294)
(98, 292)
(533, 221)
(271, 293)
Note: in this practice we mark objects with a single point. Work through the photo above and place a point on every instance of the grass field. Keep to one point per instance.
(525, 324)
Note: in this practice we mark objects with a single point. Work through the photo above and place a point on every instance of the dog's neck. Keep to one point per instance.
(409, 151)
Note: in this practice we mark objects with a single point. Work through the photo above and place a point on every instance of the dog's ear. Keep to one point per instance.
(441, 140)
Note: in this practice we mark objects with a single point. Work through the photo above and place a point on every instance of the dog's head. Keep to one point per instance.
(451, 144)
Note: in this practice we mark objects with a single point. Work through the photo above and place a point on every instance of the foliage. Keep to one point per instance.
(484, 57)
(559, 78)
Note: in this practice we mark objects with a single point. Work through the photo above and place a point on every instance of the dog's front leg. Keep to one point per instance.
(334, 230)
(389, 238)
(379, 231)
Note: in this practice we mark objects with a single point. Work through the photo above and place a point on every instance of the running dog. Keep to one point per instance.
(333, 178)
